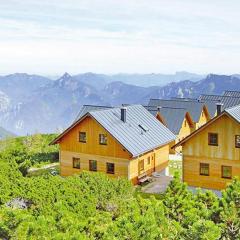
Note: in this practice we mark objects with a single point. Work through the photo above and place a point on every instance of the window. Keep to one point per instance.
(103, 139)
(76, 162)
(237, 141)
(204, 169)
(110, 168)
(141, 165)
(82, 137)
(92, 165)
(227, 172)
(149, 160)
(213, 139)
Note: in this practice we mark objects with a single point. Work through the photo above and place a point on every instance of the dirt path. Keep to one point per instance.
(47, 166)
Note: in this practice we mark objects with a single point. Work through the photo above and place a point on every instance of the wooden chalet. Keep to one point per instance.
(178, 120)
(121, 142)
(211, 154)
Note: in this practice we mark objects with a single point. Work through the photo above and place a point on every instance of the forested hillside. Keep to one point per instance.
(92, 206)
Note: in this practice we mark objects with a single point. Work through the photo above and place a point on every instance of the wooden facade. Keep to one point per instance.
(113, 152)
(187, 127)
(204, 118)
(222, 153)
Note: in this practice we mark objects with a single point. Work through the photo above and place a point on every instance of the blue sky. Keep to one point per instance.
(111, 36)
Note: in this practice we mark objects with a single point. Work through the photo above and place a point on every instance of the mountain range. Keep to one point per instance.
(33, 103)
(4, 133)
(142, 80)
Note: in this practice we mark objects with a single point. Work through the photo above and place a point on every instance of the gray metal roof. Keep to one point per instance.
(234, 112)
(228, 101)
(173, 117)
(193, 107)
(211, 106)
(232, 93)
(131, 134)
(184, 99)
(87, 108)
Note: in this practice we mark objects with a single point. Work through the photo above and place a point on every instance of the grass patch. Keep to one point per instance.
(41, 171)
(138, 192)
(175, 167)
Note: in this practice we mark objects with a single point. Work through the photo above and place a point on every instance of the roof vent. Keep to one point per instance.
(145, 129)
(159, 108)
(123, 114)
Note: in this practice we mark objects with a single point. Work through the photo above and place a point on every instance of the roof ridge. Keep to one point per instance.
(174, 100)
(169, 107)
(231, 91)
(211, 95)
(116, 107)
(186, 99)
(91, 105)
(217, 96)
(175, 108)
(179, 101)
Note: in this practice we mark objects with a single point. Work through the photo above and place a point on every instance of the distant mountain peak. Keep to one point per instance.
(64, 80)
(66, 76)
(89, 74)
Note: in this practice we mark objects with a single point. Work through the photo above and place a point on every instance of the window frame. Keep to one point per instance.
(90, 165)
(222, 167)
(73, 162)
(236, 145)
(79, 137)
(107, 169)
(149, 160)
(209, 138)
(141, 165)
(100, 138)
(200, 168)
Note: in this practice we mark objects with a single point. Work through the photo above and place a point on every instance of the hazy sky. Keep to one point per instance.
(112, 36)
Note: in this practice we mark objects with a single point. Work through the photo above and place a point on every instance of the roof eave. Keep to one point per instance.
(58, 138)
(149, 150)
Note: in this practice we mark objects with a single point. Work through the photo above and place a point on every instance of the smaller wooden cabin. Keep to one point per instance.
(182, 115)
(121, 142)
(211, 154)
(198, 110)
(178, 120)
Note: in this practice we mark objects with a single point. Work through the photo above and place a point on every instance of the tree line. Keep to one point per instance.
(93, 206)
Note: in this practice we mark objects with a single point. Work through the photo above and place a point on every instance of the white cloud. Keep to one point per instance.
(50, 37)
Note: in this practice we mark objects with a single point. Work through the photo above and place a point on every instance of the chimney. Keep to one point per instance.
(123, 114)
(159, 109)
(219, 107)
